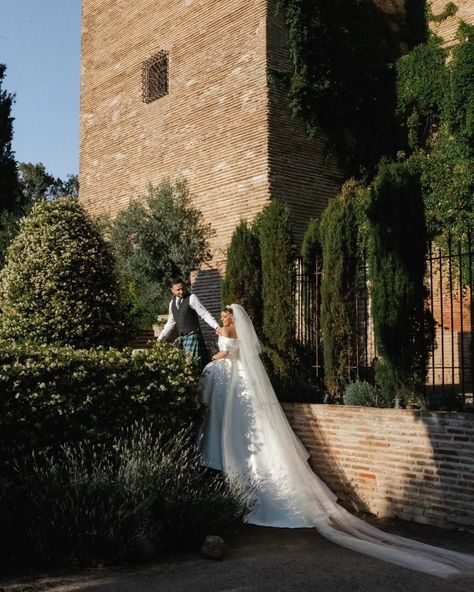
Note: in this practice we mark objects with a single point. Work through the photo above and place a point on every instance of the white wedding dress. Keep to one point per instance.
(247, 436)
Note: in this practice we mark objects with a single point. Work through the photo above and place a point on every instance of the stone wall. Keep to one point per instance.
(410, 464)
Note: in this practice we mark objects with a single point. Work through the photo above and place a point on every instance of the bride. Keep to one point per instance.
(247, 436)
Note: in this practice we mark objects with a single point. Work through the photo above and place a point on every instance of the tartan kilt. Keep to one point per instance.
(193, 344)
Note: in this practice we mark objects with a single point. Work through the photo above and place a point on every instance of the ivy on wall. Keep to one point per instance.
(349, 82)
(436, 106)
(343, 81)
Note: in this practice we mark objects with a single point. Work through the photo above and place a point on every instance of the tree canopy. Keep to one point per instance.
(9, 189)
(59, 284)
(156, 238)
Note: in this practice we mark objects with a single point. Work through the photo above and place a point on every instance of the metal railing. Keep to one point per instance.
(449, 282)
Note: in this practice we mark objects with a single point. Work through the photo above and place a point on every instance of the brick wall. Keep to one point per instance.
(222, 126)
(301, 172)
(448, 27)
(213, 128)
(410, 464)
(210, 128)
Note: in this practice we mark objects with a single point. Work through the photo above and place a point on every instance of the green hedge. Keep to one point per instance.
(51, 395)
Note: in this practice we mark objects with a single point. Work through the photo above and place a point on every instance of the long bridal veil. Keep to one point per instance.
(289, 494)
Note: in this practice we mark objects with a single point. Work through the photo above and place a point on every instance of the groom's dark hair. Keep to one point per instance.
(175, 281)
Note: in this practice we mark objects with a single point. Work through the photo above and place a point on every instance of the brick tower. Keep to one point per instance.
(179, 88)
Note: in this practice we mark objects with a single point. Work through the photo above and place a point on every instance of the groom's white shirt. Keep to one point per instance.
(198, 307)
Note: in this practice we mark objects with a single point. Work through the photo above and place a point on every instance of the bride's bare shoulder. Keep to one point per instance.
(229, 331)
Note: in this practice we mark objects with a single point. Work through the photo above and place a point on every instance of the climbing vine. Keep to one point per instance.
(342, 80)
(436, 106)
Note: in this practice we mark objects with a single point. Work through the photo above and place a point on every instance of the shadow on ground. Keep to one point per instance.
(265, 560)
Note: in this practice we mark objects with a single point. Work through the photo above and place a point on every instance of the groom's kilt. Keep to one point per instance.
(193, 344)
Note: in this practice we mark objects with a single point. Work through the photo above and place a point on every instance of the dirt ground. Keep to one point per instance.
(265, 560)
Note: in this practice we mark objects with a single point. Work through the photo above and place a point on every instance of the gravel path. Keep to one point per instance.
(265, 560)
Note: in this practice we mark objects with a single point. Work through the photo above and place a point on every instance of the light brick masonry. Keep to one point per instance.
(222, 126)
(410, 464)
(448, 27)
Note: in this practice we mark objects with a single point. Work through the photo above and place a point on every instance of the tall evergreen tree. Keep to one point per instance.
(243, 277)
(277, 250)
(397, 266)
(339, 236)
(9, 190)
(311, 249)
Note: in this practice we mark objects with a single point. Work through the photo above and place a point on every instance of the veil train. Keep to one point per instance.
(288, 493)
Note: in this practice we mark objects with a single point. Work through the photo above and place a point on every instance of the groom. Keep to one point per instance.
(184, 312)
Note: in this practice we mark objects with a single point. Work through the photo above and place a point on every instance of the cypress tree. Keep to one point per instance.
(243, 277)
(338, 287)
(277, 251)
(397, 265)
(311, 249)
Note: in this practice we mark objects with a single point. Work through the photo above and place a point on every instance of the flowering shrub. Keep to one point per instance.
(59, 284)
(55, 395)
(146, 494)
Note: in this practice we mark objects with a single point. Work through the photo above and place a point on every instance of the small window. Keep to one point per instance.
(155, 77)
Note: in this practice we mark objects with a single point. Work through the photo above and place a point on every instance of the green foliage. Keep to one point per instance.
(311, 249)
(59, 284)
(339, 236)
(360, 393)
(37, 184)
(242, 282)
(51, 396)
(277, 252)
(422, 80)
(9, 190)
(87, 506)
(447, 178)
(342, 82)
(8, 231)
(435, 103)
(157, 238)
(397, 265)
(460, 99)
(449, 10)
(67, 188)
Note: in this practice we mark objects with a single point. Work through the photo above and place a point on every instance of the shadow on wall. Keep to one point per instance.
(325, 458)
(206, 284)
(443, 483)
(410, 464)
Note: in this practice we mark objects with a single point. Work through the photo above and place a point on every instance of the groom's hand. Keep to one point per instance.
(219, 331)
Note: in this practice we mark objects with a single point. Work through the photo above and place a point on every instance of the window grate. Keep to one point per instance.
(155, 77)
